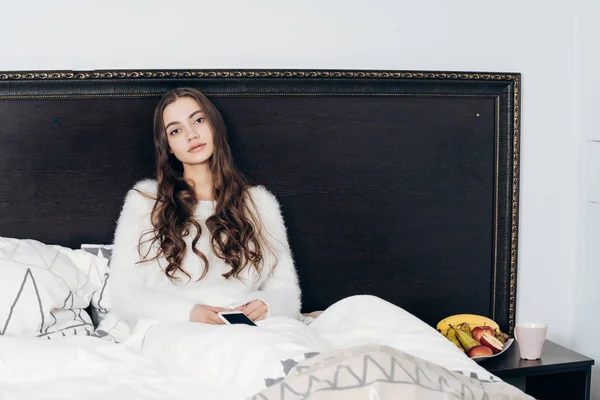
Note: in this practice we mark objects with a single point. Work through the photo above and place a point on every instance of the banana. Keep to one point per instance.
(471, 319)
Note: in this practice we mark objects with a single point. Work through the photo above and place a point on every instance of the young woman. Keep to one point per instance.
(199, 239)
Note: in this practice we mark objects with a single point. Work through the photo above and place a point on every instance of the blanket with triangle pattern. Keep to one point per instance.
(382, 372)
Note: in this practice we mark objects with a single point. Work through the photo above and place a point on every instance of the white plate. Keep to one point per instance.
(506, 346)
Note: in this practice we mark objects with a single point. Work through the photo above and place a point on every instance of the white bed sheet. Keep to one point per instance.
(202, 362)
(83, 367)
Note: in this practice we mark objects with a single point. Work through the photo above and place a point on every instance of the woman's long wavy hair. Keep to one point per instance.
(235, 234)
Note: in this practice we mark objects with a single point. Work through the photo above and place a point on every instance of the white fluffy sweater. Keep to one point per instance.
(143, 291)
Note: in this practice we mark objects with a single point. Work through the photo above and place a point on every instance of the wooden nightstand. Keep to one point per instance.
(560, 373)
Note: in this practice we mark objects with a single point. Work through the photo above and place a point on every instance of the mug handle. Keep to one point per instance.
(515, 332)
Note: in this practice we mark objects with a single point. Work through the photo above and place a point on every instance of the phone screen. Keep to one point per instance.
(237, 318)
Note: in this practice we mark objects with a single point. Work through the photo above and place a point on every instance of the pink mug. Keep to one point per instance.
(531, 337)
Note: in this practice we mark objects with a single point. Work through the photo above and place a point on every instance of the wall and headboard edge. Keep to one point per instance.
(394, 183)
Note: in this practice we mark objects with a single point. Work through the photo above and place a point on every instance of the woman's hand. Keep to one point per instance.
(255, 310)
(206, 314)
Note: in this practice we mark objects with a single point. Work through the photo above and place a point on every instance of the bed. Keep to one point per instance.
(401, 185)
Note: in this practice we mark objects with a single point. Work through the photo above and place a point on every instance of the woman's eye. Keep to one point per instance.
(200, 119)
(174, 132)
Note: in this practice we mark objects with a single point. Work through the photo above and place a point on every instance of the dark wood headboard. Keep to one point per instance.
(398, 184)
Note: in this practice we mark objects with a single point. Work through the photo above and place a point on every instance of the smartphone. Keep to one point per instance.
(235, 317)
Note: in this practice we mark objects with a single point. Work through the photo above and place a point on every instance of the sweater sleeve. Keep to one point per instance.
(131, 298)
(281, 291)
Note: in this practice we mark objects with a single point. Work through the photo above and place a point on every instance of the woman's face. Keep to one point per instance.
(188, 133)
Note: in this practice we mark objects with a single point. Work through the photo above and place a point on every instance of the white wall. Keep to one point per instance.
(587, 279)
(536, 38)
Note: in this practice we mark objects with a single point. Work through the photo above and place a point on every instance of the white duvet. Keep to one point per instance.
(198, 361)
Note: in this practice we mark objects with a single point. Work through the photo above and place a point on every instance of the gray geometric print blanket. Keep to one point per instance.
(377, 372)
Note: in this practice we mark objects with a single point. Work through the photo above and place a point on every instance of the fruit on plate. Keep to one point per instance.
(476, 336)
(451, 335)
(490, 341)
(466, 341)
(501, 336)
(465, 328)
(478, 332)
(479, 351)
(470, 320)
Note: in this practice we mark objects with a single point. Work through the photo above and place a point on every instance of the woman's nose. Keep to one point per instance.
(192, 134)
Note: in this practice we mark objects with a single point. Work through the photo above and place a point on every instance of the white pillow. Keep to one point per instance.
(44, 289)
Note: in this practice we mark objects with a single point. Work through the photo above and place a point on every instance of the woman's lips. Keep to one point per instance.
(197, 148)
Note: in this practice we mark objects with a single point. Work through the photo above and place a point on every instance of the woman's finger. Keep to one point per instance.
(251, 309)
(216, 319)
(217, 309)
(255, 314)
(262, 316)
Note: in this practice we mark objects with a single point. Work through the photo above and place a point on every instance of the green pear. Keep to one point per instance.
(466, 341)
(451, 335)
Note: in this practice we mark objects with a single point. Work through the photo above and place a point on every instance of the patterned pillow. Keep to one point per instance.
(98, 307)
(100, 250)
(107, 324)
(44, 289)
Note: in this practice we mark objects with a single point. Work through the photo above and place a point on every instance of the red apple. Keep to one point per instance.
(479, 351)
(490, 341)
(478, 332)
